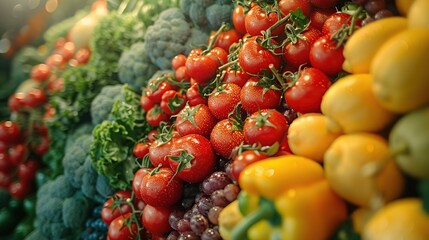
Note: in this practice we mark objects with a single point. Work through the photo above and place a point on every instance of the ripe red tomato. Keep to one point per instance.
(219, 53)
(194, 154)
(253, 58)
(82, 55)
(137, 181)
(181, 74)
(236, 76)
(224, 138)
(327, 56)
(201, 68)
(265, 127)
(324, 3)
(158, 152)
(155, 219)
(67, 50)
(20, 189)
(10, 132)
(156, 115)
(16, 101)
(226, 38)
(5, 179)
(287, 6)
(161, 188)
(5, 165)
(146, 103)
(27, 170)
(17, 154)
(156, 88)
(172, 102)
(297, 54)
(41, 146)
(238, 17)
(254, 97)
(258, 20)
(40, 72)
(121, 228)
(245, 159)
(35, 97)
(178, 61)
(112, 210)
(195, 120)
(223, 100)
(194, 96)
(55, 61)
(140, 150)
(336, 21)
(307, 93)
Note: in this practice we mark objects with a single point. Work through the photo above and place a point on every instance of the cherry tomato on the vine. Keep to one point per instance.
(258, 20)
(326, 55)
(226, 38)
(254, 97)
(116, 206)
(172, 102)
(236, 76)
(297, 54)
(238, 16)
(40, 72)
(140, 150)
(224, 99)
(195, 119)
(245, 159)
(155, 89)
(156, 115)
(155, 219)
(10, 132)
(286, 6)
(194, 96)
(178, 61)
(225, 137)
(119, 230)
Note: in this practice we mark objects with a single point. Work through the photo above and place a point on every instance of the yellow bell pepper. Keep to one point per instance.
(287, 198)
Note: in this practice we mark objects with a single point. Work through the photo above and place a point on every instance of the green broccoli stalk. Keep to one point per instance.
(135, 66)
(208, 14)
(113, 141)
(171, 34)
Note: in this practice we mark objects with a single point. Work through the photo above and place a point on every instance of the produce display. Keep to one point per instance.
(218, 119)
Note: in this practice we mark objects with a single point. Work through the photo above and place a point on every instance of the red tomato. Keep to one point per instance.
(161, 188)
(146, 103)
(253, 58)
(324, 3)
(156, 88)
(5, 179)
(67, 50)
(82, 55)
(137, 181)
(172, 102)
(238, 17)
(254, 97)
(155, 219)
(327, 56)
(116, 205)
(297, 54)
(10, 132)
(35, 97)
(17, 154)
(201, 68)
(306, 94)
(181, 74)
(223, 100)
(40, 72)
(258, 20)
(225, 39)
(159, 151)
(224, 138)
(319, 16)
(55, 61)
(156, 115)
(194, 96)
(178, 61)
(20, 189)
(5, 165)
(219, 53)
(121, 228)
(195, 154)
(16, 101)
(140, 150)
(197, 119)
(55, 84)
(27, 170)
(245, 159)
(336, 21)
(265, 127)
(235, 76)
(287, 6)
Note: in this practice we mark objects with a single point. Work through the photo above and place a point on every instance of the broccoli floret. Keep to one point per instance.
(81, 129)
(94, 186)
(208, 14)
(169, 36)
(135, 66)
(102, 104)
(61, 210)
(74, 159)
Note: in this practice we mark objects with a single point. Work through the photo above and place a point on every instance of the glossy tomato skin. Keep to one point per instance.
(253, 97)
(181, 74)
(245, 159)
(155, 219)
(161, 188)
(109, 213)
(146, 103)
(201, 68)
(10, 132)
(226, 39)
(327, 56)
(178, 61)
(224, 138)
(238, 76)
(172, 102)
(27, 170)
(223, 100)
(307, 93)
(40, 72)
(297, 54)
(158, 152)
(154, 91)
(258, 20)
(140, 150)
(203, 157)
(238, 16)
(118, 230)
(335, 22)
(20, 189)
(319, 16)
(253, 58)
(268, 131)
(137, 181)
(195, 120)
(194, 96)
(290, 5)
(323, 3)
(156, 115)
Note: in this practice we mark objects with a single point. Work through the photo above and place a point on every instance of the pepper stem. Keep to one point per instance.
(266, 210)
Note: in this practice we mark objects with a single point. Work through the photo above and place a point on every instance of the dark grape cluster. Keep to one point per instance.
(95, 228)
(199, 217)
(377, 9)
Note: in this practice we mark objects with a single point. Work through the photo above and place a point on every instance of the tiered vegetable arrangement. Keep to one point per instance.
(223, 120)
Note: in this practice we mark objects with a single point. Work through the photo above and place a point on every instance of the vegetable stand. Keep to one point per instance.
(190, 119)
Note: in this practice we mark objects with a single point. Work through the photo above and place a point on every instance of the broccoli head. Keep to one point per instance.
(170, 35)
(135, 66)
(95, 186)
(208, 14)
(102, 104)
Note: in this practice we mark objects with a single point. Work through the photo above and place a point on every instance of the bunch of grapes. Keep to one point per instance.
(95, 228)
(377, 9)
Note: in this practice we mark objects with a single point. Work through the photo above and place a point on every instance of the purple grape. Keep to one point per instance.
(231, 192)
(174, 218)
(188, 236)
(385, 13)
(213, 214)
(373, 6)
(211, 234)
(183, 225)
(360, 2)
(199, 224)
(204, 205)
(174, 235)
(219, 199)
(367, 21)
(218, 180)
